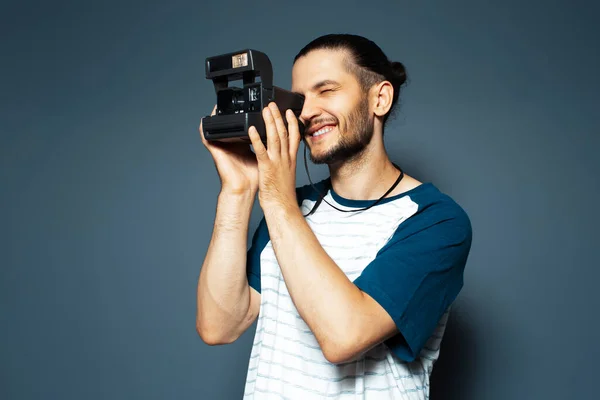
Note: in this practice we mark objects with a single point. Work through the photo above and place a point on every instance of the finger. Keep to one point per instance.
(273, 142)
(294, 133)
(281, 128)
(257, 144)
(214, 112)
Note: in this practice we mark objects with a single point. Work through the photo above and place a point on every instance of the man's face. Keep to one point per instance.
(339, 124)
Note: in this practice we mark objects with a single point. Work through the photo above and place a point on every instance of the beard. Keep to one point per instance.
(349, 145)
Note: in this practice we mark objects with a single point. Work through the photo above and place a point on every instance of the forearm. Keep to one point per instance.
(323, 295)
(223, 294)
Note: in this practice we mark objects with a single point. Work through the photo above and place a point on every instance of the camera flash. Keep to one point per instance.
(239, 60)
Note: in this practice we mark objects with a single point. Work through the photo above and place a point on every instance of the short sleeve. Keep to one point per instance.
(260, 238)
(417, 275)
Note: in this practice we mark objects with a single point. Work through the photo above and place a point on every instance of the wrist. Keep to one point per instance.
(282, 209)
(238, 194)
(235, 202)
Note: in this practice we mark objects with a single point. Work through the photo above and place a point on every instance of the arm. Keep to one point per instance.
(345, 320)
(226, 304)
(406, 289)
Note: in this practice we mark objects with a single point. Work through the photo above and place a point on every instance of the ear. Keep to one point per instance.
(382, 96)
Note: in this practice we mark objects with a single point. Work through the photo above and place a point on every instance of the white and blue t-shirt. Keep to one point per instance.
(408, 253)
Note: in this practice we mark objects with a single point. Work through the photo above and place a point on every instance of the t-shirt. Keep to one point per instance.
(408, 253)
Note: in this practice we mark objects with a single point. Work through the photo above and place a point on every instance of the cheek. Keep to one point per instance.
(340, 108)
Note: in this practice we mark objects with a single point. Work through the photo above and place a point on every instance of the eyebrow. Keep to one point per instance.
(322, 83)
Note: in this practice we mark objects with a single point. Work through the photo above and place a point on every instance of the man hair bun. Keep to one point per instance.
(399, 71)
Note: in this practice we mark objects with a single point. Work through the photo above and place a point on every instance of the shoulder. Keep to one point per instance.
(437, 204)
(437, 212)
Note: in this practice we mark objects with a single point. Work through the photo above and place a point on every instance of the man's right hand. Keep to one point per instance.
(236, 164)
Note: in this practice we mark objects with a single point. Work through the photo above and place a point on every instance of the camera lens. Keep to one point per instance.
(231, 100)
(237, 100)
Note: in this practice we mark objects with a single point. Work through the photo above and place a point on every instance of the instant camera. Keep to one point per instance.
(239, 108)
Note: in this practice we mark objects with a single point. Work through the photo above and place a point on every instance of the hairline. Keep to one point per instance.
(366, 79)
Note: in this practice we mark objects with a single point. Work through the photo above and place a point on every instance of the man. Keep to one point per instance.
(352, 278)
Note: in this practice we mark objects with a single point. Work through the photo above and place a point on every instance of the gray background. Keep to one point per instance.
(108, 197)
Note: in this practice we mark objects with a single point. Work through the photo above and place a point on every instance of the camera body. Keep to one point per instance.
(239, 108)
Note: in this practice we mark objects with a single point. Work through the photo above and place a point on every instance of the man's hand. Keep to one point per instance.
(277, 162)
(236, 165)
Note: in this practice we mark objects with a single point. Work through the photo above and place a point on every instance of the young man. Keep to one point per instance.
(351, 279)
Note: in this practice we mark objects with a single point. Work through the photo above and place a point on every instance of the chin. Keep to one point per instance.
(324, 156)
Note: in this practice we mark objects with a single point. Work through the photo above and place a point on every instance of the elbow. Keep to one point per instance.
(337, 354)
(337, 350)
(213, 337)
(334, 354)
(340, 342)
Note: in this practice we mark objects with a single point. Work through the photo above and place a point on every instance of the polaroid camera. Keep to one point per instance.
(240, 108)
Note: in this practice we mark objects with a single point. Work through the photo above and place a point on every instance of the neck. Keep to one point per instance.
(368, 176)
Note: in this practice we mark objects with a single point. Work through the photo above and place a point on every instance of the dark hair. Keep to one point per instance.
(367, 62)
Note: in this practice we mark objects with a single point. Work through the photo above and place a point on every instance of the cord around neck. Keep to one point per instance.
(329, 186)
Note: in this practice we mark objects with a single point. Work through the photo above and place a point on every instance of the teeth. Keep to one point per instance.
(323, 130)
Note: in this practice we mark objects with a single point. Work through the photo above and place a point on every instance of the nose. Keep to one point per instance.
(309, 111)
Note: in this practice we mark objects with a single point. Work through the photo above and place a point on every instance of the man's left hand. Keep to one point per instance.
(277, 162)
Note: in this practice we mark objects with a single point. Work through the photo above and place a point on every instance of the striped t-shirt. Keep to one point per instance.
(408, 252)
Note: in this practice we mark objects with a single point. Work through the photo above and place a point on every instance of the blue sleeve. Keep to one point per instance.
(418, 274)
(259, 241)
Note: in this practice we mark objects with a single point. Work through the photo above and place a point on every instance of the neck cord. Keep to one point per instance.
(328, 186)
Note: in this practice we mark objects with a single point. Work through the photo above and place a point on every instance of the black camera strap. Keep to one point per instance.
(329, 186)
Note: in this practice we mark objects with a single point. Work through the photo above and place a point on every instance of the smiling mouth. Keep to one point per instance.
(317, 135)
